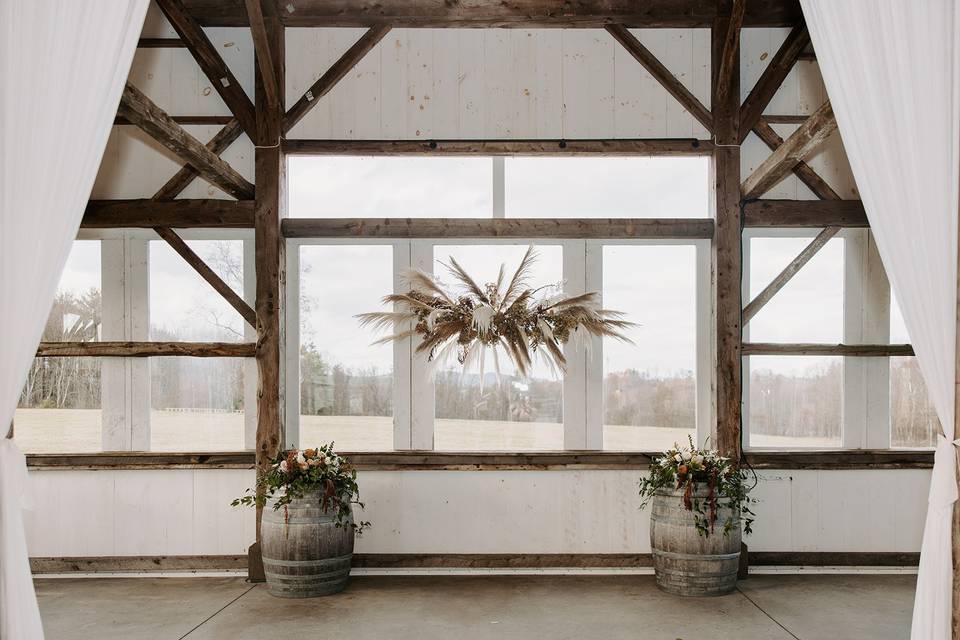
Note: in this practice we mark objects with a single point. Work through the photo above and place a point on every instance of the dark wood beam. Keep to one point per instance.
(213, 279)
(727, 250)
(771, 78)
(611, 147)
(333, 75)
(663, 75)
(497, 228)
(146, 349)
(198, 120)
(182, 178)
(782, 278)
(180, 214)
(212, 65)
(797, 147)
(140, 110)
(802, 170)
(805, 349)
(731, 49)
(524, 14)
(785, 119)
(804, 213)
(160, 43)
(261, 48)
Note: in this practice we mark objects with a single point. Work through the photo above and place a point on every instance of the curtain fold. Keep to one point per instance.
(892, 73)
(63, 64)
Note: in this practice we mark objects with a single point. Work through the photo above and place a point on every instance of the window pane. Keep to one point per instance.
(389, 187)
(913, 418)
(795, 401)
(649, 390)
(183, 306)
(59, 410)
(810, 307)
(498, 412)
(582, 187)
(346, 384)
(196, 404)
(59, 406)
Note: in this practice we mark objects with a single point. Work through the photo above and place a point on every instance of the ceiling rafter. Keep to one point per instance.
(730, 56)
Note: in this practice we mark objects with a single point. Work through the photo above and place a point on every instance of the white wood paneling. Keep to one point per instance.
(185, 512)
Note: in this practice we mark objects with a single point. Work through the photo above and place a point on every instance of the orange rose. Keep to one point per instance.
(682, 470)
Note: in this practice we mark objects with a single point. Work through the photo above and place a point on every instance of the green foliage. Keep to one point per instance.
(295, 473)
(691, 469)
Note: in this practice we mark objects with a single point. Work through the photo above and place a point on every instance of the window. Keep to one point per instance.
(345, 383)
(649, 387)
(59, 407)
(913, 418)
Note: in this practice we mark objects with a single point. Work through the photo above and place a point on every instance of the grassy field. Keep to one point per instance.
(79, 431)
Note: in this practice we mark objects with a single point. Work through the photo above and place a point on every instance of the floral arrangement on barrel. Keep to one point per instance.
(295, 473)
(470, 319)
(691, 469)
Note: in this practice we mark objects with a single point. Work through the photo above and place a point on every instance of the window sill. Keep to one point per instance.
(486, 461)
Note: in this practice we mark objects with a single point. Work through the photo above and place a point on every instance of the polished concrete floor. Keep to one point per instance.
(775, 607)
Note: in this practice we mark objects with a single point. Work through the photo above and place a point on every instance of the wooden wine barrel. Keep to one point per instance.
(687, 563)
(304, 553)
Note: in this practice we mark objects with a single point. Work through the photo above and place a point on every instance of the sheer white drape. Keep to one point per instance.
(63, 64)
(891, 70)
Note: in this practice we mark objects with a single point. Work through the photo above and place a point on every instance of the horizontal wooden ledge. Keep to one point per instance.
(526, 14)
(808, 349)
(606, 147)
(804, 213)
(147, 349)
(198, 120)
(530, 228)
(179, 214)
(160, 43)
(486, 461)
(142, 564)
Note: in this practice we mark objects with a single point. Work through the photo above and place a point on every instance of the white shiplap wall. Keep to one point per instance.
(187, 512)
(422, 84)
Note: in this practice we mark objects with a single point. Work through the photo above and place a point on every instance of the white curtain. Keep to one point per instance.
(891, 70)
(63, 64)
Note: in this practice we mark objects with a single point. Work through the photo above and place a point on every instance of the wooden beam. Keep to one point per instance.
(261, 48)
(182, 178)
(804, 213)
(213, 279)
(802, 170)
(212, 65)
(727, 251)
(181, 214)
(785, 119)
(606, 147)
(771, 78)
(497, 228)
(798, 146)
(333, 75)
(160, 43)
(140, 110)
(522, 14)
(270, 167)
(955, 525)
(731, 49)
(787, 274)
(807, 349)
(197, 120)
(663, 75)
(146, 349)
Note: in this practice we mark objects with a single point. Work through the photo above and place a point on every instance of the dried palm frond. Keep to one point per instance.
(474, 318)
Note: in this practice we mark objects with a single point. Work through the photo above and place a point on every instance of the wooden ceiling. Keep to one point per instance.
(495, 13)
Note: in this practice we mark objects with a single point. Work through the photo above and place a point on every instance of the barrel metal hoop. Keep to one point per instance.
(309, 563)
(694, 556)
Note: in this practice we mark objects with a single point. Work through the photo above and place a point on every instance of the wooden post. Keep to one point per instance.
(726, 248)
(956, 434)
(268, 209)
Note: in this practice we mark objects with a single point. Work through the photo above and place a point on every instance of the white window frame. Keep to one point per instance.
(414, 403)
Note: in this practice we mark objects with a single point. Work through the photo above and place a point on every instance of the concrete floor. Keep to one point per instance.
(774, 607)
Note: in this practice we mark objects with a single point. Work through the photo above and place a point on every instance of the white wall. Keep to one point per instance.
(188, 512)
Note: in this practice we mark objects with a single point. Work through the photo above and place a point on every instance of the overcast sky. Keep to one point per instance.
(654, 285)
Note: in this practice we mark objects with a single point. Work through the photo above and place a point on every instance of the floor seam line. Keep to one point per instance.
(217, 612)
(763, 611)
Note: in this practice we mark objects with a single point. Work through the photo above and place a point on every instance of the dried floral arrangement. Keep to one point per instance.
(295, 473)
(689, 468)
(468, 319)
